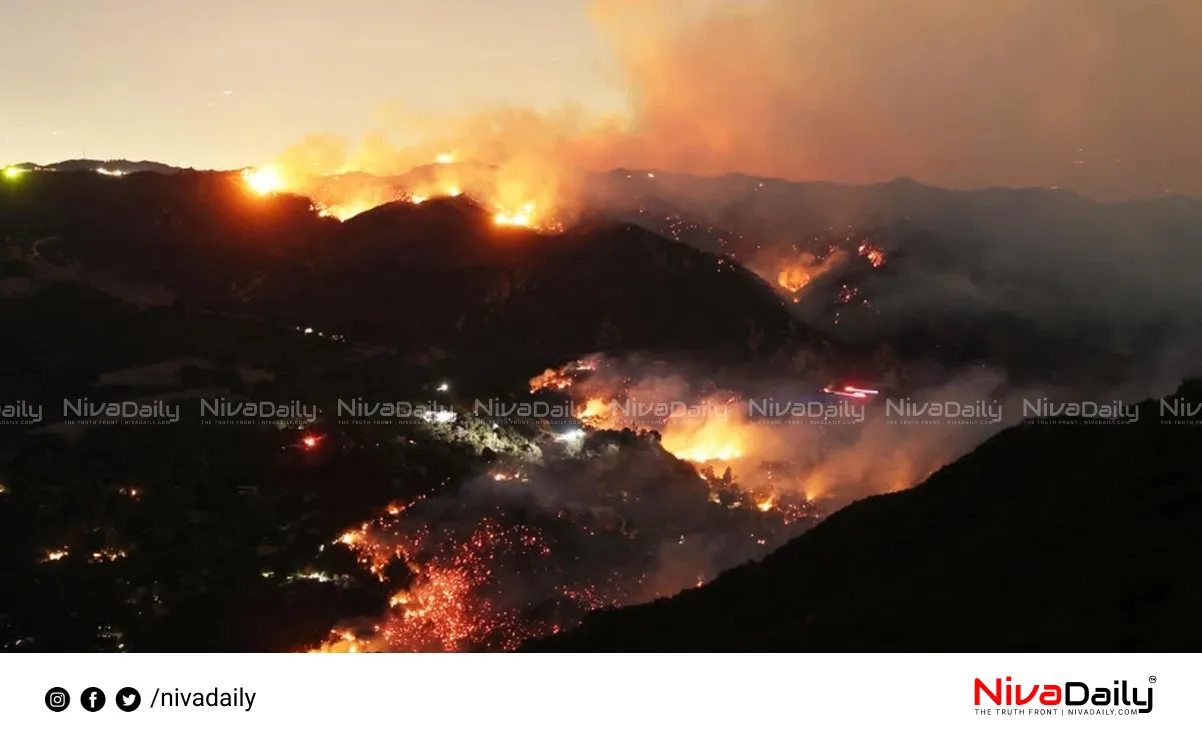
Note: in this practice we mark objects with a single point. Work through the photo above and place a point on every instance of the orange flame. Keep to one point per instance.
(711, 440)
(265, 180)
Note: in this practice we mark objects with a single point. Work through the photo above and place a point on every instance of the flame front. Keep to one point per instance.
(459, 580)
(510, 163)
(265, 180)
(343, 195)
(793, 279)
(522, 218)
(712, 440)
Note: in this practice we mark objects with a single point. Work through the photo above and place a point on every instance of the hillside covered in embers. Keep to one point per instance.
(1048, 537)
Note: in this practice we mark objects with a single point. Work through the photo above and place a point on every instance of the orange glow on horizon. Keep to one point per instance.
(265, 180)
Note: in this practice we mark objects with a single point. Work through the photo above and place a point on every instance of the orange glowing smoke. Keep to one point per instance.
(709, 440)
(595, 411)
(343, 212)
(793, 279)
(265, 180)
(523, 218)
(797, 272)
(512, 161)
(342, 194)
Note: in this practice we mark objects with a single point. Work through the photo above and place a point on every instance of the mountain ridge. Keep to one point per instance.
(1046, 537)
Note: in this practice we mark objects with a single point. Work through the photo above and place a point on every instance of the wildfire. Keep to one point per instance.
(551, 379)
(265, 180)
(522, 218)
(873, 255)
(566, 376)
(711, 440)
(343, 212)
(455, 590)
(108, 555)
(452, 602)
(799, 271)
(595, 409)
(521, 189)
(793, 279)
(509, 477)
(709, 452)
(847, 294)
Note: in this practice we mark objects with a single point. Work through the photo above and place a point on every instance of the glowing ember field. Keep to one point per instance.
(460, 581)
(621, 508)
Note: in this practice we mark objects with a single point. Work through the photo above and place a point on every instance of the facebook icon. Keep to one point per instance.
(92, 699)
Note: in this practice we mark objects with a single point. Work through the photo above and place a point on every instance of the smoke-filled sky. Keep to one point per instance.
(1101, 96)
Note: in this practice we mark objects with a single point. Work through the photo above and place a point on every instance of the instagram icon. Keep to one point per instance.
(57, 699)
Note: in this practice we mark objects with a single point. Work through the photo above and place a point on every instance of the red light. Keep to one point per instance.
(310, 442)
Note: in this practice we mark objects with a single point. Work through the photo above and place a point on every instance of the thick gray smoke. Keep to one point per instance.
(1044, 284)
(1098, 96)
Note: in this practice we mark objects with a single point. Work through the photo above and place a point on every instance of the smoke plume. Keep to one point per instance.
(1096, 96)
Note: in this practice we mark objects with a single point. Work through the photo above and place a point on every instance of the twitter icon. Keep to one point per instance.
(128, 699)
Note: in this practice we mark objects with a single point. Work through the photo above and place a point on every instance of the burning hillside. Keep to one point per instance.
(346, 195)
(510, 161)
(906, 572)
(529, 548)
(656, 484)
(797, 268)
(669, 467)
(787, 439)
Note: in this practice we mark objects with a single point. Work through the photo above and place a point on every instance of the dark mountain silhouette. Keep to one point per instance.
(1049, 286)
(1047, 537)
(436, 274)
(125, 166)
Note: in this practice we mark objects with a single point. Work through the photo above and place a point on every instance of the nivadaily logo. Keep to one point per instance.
(1072, 698)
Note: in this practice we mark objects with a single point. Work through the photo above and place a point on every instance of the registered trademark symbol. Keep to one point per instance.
(1151, 679)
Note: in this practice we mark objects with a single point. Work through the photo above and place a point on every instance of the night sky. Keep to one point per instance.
(1097, 96)
(148, 79)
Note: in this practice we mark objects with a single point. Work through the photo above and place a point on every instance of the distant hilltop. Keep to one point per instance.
(124, 166)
